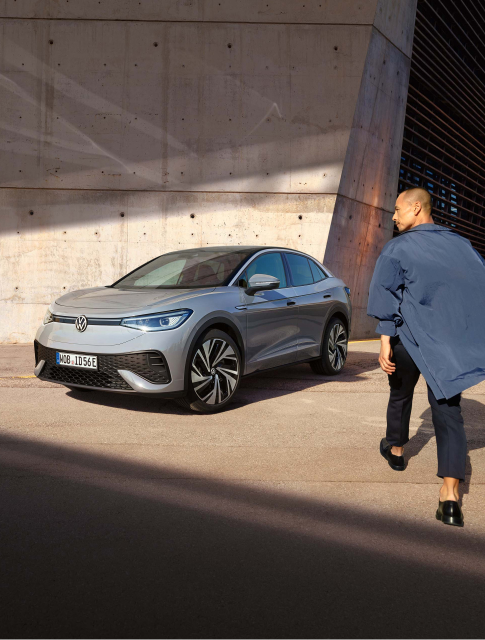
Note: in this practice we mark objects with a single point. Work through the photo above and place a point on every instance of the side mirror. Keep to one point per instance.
(261, 282)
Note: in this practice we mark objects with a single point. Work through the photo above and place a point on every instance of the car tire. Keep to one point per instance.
(334, 349)
(214, 373)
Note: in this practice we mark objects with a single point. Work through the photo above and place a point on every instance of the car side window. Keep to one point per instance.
(269, 264)
(301, 273)
(318, 273)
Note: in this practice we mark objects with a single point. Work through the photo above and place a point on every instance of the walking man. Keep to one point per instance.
(428, 291)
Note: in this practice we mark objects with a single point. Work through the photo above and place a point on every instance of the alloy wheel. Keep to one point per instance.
(337, 347)
(214, 371)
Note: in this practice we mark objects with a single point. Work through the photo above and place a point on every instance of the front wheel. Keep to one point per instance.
(214, 375)
(334, 349)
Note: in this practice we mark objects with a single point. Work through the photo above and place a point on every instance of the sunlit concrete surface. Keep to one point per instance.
(126, 517)
(129, 129)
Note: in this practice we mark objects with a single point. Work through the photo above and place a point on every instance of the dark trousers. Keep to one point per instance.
(446, 414)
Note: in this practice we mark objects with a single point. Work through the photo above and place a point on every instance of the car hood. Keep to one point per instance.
(122, 300)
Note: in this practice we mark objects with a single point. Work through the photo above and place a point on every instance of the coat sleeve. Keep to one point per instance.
(385, 295)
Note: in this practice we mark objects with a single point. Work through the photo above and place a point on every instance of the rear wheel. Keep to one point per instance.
(334, 349)
(215, 372)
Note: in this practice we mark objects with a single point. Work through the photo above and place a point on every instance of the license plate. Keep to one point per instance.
(76, 360)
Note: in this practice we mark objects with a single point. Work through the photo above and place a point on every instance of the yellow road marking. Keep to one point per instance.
(373, 340)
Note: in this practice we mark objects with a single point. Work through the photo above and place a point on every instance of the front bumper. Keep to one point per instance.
(145, 372)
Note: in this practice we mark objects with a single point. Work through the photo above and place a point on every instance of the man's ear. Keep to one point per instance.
(417, 208)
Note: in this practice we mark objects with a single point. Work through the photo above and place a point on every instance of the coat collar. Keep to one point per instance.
(429, 226)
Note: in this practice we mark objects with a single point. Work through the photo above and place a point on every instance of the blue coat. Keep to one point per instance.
(429, 288)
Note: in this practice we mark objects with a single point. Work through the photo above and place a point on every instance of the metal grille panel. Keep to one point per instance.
(150, 365)
(444, 132)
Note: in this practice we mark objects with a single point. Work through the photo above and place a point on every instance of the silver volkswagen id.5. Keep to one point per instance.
(189, 324)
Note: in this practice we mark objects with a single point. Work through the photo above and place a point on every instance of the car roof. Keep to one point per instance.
(236, 248)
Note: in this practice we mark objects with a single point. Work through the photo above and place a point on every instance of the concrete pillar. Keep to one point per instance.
(132, 129)
(362, 219)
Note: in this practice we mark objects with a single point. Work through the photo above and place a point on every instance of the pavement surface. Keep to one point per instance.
(127, 517)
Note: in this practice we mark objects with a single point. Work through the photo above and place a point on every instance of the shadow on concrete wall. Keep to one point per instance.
(118, 149)
(94, 546)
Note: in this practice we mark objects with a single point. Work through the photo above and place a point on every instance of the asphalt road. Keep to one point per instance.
(126, 517)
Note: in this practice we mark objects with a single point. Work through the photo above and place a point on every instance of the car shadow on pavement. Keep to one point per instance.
(95, 546)
(254, 388)
(474, 417)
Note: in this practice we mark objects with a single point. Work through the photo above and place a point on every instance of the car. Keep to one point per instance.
(189, 324)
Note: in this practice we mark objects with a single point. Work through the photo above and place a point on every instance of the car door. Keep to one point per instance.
(272, 317)
(313, 300)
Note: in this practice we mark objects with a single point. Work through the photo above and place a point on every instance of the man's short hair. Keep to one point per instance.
(417, 194)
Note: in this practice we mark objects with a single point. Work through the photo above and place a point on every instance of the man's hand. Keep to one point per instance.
(385, 355)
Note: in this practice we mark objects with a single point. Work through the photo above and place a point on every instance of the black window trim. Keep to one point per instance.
(320, 267)
(303, 255)
(259, 252)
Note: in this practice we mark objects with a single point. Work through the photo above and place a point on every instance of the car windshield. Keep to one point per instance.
(186, 270)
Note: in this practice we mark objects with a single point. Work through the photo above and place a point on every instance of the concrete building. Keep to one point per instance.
(134, 128)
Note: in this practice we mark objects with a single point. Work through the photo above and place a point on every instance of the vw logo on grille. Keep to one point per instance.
(81, 323)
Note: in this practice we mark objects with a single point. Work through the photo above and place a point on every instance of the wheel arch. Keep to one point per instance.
(338, 311)
(341, 316)
(223, 324)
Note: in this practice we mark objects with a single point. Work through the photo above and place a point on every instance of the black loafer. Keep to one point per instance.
(449, 512)
(395, 462)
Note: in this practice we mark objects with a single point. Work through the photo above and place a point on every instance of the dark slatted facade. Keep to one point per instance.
(444, 134)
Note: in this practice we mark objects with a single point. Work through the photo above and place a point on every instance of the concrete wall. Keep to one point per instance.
(362, 218)
(121, 120)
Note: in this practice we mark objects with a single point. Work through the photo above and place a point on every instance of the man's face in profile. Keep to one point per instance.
(404, 213)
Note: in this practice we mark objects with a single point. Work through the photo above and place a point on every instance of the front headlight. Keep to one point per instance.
(159, 321)
(48, 317)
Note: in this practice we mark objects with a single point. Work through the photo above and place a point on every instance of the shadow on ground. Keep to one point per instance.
(474, 417)
(94, 546)
(261, 386)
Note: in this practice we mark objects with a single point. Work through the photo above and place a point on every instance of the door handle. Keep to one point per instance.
(290, 302)
(327, 295)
